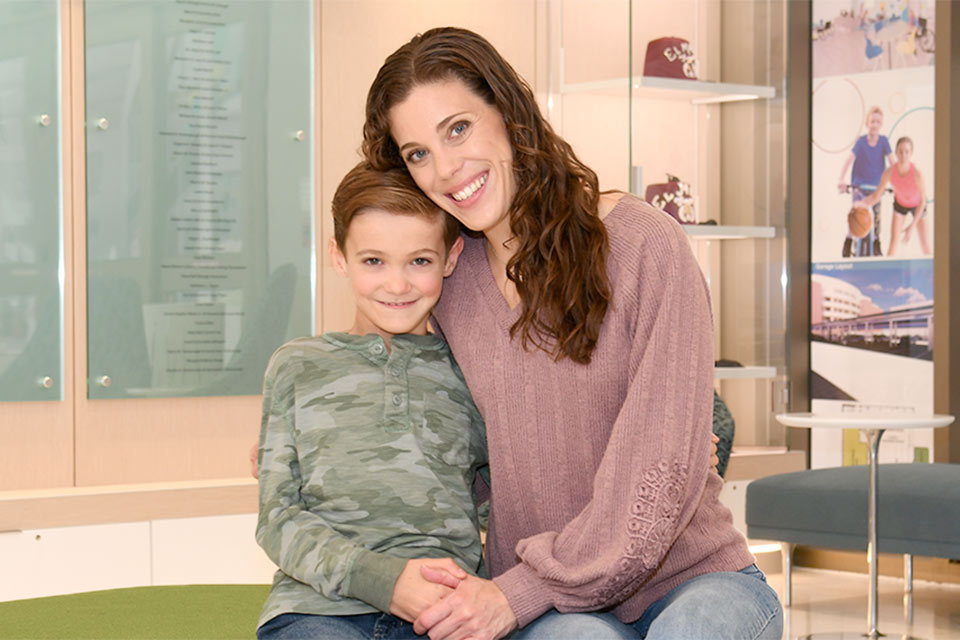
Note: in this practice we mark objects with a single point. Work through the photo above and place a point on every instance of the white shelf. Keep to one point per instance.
(700, 92)
(727, 232)
(693, 91)
(730, 373)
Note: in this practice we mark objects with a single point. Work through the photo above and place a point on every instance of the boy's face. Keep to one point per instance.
(396, 265)
(874, 122)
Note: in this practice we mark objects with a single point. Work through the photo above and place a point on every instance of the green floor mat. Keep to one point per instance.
(194, 611)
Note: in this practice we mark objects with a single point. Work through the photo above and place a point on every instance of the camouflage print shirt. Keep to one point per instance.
(367, 459)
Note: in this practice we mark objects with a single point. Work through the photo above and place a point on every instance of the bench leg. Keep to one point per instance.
(907, 573)
(908, 587)
(786, 557)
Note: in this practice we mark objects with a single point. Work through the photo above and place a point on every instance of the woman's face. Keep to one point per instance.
(874, 122)
(456, 148)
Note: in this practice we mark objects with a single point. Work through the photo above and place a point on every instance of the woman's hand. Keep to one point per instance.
(476, 609)
(412, 593)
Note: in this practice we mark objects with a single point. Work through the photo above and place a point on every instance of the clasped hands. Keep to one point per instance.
(445, 602)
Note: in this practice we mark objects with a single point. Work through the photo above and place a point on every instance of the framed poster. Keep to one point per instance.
(872, 223)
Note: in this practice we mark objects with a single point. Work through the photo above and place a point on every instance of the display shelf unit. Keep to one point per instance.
(723, 134)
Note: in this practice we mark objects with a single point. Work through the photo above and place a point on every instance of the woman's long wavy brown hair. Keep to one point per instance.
(559, 268)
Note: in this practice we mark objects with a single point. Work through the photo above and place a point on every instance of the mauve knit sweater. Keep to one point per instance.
(602, 492)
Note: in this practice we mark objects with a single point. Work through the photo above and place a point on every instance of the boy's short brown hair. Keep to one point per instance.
(393, 191)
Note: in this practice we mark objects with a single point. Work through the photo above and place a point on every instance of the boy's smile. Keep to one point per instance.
(396, 264)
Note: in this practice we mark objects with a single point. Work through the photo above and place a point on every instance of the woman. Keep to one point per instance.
(582, 325)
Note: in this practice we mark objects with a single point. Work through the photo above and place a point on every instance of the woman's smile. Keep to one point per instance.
(464, 194)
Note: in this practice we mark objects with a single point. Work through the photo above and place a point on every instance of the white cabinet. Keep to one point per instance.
(209, 550)
(48, 562)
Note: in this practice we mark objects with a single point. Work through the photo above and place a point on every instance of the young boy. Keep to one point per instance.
(369, 440)
(869, 156)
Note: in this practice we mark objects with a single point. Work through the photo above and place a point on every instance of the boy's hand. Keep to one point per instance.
(253, 459)
(412, 593)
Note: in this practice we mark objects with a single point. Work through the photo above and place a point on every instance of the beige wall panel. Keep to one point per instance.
(591, 49)
(37, 445)
(40, 509)
(164, 439)
(597, 127)
(665, 141)
(356, 37)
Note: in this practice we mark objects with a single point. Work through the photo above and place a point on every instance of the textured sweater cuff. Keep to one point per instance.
(527, 594)
(372, 578)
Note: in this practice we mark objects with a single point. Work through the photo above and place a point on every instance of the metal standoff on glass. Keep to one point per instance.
(104, 381)
(44, 120)
(300, 135)
(103, 124)
(46, 382)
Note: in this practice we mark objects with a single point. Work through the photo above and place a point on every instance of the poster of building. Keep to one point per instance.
(872, 221)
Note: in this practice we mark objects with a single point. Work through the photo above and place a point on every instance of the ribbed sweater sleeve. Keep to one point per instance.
(654, 465)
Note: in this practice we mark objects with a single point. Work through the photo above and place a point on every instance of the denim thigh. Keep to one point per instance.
(366, 626)
(554, 625)
(734, 605)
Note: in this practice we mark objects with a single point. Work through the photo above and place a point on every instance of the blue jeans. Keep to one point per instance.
(366, 626)
(735, 605)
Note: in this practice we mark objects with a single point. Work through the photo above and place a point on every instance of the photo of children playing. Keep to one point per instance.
(863, 102)
(881, 165)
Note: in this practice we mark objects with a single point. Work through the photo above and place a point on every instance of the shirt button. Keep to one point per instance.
(397, 400)
(377, 349)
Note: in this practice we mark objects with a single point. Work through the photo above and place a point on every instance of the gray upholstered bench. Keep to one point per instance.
(918, 511)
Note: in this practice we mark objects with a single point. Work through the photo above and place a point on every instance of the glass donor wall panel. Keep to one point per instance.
(30, 231)
(199, 192)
